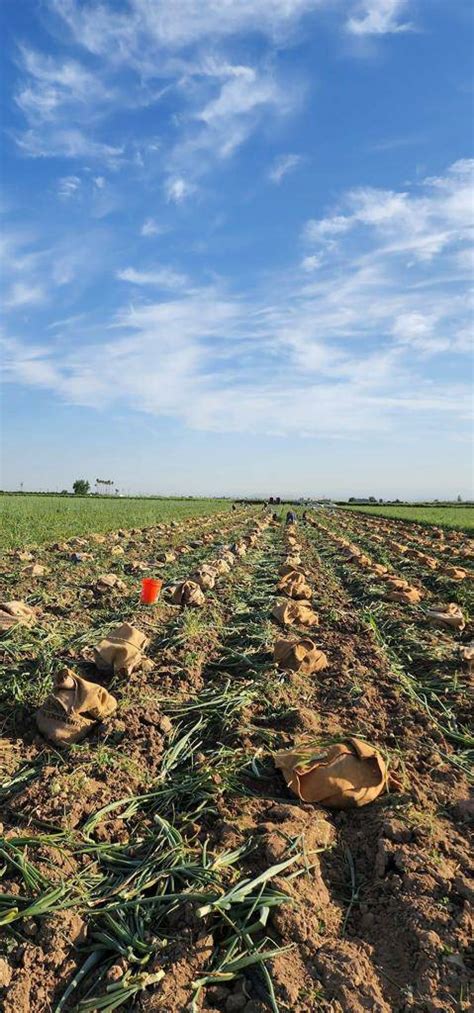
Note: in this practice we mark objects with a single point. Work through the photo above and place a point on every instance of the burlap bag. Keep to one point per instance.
(220, 566)
(409, 596)
(16, 613)
(229, 558)
(378, 569)
(299, 656)
(121, 650)
(166, 557)
(467, 655)
(109, 582)
(205, 577)
(396, 583)
(294, 585)
(35, 570)
(187, 593)
(73, 708)
(447, 616)
(347, 774)
(239, 549)
(362, 560)
(298, 613)
(288, 567)
(453, 572)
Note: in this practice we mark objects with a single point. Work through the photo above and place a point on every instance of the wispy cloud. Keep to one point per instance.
(379, 17)
(161, 277)
(338, 342)
(68, 186)
(178, 189)
(151, 227)
(22, 294)
(283, 165)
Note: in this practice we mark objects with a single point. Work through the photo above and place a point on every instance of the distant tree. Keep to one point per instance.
(459, 499)
(372, 499)
(81, 487)
(64, 492)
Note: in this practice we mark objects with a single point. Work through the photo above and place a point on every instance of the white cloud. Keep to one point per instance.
(151, 228)
(68, 186)
(178, 189)
(22, 294)
(378, 17)
(341, 343)
(163, 277)
(282, 166)
(312, 262)
(99, 182)
(129, 34)
(67, 143)
(421, 225)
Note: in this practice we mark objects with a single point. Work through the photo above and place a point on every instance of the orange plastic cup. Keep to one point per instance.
(151, 588)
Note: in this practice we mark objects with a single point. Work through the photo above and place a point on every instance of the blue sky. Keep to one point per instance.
(236, 247)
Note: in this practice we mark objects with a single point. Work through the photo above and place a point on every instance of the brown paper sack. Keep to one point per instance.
(16, 613)
(409, 596)
(453, 572)
(221, 566)
(121, 650)
(35, 570)
(295, 586)
(396, 583)
(467, 655)
(298, 613)
(110, 582)
(205, 577)
(288, 567)
(299, 656)
(347, 774)
(73, 708)
(187, 593)
(449, 616)
(166, 557)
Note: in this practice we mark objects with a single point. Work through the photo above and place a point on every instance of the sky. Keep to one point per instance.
(237, 246)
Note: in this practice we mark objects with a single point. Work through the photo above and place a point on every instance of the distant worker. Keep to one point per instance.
(290, 517)
(234, 506)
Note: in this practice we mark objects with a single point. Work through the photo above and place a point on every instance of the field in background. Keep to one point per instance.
(34, 520)
(461, 518)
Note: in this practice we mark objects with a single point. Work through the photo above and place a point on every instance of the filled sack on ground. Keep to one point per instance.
(467, 656)
(187, 593)
(447, 616)
(346, 774)
(205, 577)
(299, 656)
(73, 708)
(166, 557)
(121, 650)
(110, 582)
(35, 570)
(453, 572)
(16, 613)
(295, 586)
(408, 596)
(298, 613)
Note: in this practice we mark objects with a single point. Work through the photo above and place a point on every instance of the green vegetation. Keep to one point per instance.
(459, 517)
(34, 520)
